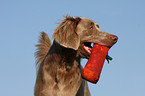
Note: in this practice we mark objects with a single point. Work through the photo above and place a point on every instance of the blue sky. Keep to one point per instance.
(22, 21)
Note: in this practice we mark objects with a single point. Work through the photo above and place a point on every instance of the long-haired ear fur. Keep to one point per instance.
(65, 33)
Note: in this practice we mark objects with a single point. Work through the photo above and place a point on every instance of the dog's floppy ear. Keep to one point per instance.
(65, 33)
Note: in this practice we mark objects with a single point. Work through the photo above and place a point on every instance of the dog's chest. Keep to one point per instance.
(69, 82)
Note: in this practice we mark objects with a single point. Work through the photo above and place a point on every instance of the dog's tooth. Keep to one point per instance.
(86, 47)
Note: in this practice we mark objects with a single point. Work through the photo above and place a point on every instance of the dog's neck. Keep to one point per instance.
(62, 69)
(66, 56)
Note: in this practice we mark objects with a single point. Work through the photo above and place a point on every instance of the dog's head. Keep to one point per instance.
(80, 34)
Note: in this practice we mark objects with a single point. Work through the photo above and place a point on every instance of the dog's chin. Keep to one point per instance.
(83, 54)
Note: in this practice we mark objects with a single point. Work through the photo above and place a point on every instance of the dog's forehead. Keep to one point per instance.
(87, 20)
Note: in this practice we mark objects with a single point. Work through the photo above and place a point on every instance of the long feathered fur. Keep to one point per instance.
(42, 48)
(65, 34)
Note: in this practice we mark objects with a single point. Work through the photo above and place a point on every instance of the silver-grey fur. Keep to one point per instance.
(59, 71)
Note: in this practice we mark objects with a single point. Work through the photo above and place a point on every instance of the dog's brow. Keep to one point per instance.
(92, 23)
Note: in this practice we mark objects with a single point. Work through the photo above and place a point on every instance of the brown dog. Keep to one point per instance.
(59, 69)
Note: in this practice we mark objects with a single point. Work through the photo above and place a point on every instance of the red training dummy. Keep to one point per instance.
(93, 68)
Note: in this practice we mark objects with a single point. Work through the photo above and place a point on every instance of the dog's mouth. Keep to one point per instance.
(87, 46)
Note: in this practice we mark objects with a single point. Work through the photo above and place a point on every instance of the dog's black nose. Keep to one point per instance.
(114, 38)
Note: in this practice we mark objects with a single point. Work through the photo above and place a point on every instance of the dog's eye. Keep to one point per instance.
(91, 27)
